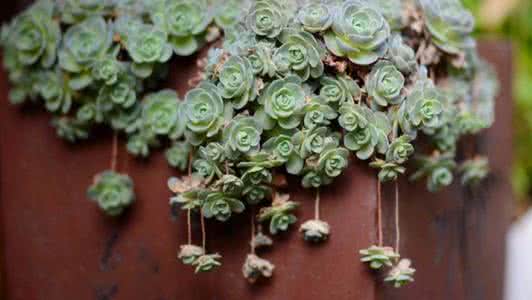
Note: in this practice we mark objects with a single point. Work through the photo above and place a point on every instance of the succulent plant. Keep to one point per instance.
(378, 256)
(365, 141)
(279, 214)
(388, 171)
(185, 22)
(243, 134)
(425, 106)
(229, 13)
(438, 170)
(315, 231)
(221, 206)
(161, 112)
(315, 17)
(177, 155)
(401, 55)
(260, 240)
(147, 47)
(449, 23)
(474, 170)
(231, 185)
(188, 254)
(391, 10)
(74, 11)
(237, 82)
(261, 59)
(401, 274)
(255, 267)
(400, 150)
(54, 89)
(283, 102)
(267, 18)
(204, 113)
(107, 70)
(318, 113)
(384, 84)
(34, 36)
(70, 129)
(112, 192)
(339, 90)
(207, 262)
(333, 161)
(359, 32)
(299, 54)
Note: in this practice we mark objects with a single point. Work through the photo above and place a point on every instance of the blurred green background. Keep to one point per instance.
(512, 19)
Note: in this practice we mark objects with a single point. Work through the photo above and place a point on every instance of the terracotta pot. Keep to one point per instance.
(57, 245)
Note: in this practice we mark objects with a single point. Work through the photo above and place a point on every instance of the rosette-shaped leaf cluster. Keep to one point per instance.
(229, 13)
(366, 138)
(221, 206)
(261, 58)
(438, 169)
(184, 21)
(424, 107)
(392, 10)
(315, 231)
(316, 16)
(318, 113)
(267, 18)
(236, 81)
(207, 262)
(279, 214)
(188, 254)
(255, 268)
(299, 54)
(284, 149)
(53, 88)
(204, 113)
(378, 257)
(450, 24)
(70, 129)
(243, 135)
(339, 90)
(401, 55)
(83, 45)
(401, 274)
(32, 38)
(74, 11)
(283, 102)
(474, 170)
(178, 155)
(359, 32)
(385, 84)
(189, 192)
(161, 113)
(112, 192)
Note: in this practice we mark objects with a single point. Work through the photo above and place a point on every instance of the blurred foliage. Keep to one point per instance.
(515, 24)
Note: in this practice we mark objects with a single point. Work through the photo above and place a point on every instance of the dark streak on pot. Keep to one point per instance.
(108, 252)
(106, 293)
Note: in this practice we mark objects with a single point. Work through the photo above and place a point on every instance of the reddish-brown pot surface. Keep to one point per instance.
(57, 245)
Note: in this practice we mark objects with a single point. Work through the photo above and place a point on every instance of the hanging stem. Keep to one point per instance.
(203, 233)
(114, 153)
(379, 212)
(190, 156)
(189, 228)
(317, 205)
(397, 228)
(252, 243)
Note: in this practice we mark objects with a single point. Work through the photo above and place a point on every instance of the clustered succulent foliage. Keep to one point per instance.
(297, 87)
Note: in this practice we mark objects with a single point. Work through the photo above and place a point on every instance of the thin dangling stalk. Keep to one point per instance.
(252, 243)
(317, 205)
(397, 225)
(379, 213)
(114, 153)
(203, 233)
(189, 225)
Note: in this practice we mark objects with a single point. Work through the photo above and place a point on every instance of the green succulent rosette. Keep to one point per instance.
(353, 117)
(121, 95)
(318, 113)
(161, 113)
(185, 22)
(391, 10)
(267, 18)
(230, 184)
(314, 141)
(315, 179)
(388, 171)
(378, 257)
(400, 150)
(32, 38)
(178, 154)
(207, 262)
(148, 46)
(236, 81)
(401, 274)
(229, 13)
(279, 214)
(206, 169)
(339, 90)
(112, 192)
(261, 59)
(365, 141)
(385, 84)
(107, 70)
(299, 54)
(283, 102)
(450, 24)
(438, 169)
(213, 152)
(401, 55)
(333, 161)
(71, 129)
(204, 113)
(284, 149)
(84, 44)
(424, 107)
(243, 135)
(75, 11)
(359, 32)
(54, 89)
(474, 170)
(315, 17)
(221, 206)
